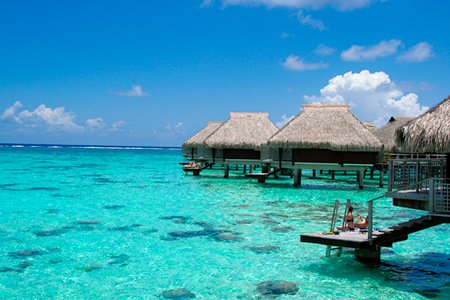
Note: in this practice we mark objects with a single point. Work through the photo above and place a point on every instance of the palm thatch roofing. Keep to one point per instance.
(199, 137)
(429, 132)
(369, 126)
(386, 133)
(243, 130)
(326, 126)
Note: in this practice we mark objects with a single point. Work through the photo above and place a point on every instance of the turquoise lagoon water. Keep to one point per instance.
(129, 224)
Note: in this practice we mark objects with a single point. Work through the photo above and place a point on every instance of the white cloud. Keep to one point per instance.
(116, 126)
(309, 21)
(382, 49)
(323, 50)
(136, 91)
(177, 129)
(418, 53)
(96, 123)
(52, 119)
(342, 5)
(206, 3)
(10, 113)
(294, 63)
(284, 120)
(373, 96)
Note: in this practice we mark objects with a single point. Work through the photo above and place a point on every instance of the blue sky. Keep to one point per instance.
(155, 72)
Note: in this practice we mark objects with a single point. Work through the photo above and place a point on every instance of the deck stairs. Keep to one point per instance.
(401, 231)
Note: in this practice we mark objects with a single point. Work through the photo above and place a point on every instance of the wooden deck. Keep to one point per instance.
(348, 239)
(383, 238)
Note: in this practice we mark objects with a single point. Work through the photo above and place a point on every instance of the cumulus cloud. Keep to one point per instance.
(418, 53)
(284, 120)
(10, 113)
(309, 21)
(323, 50)
(116, 126)
(96, 123)
(136, 91)
(382, 49)
(294, 63)
(52, 119)
(372, 96)
(342, 5)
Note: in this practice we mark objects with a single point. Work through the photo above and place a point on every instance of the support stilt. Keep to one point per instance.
(245, 169)
(298, 178)
(332, 174)
(381, 177)
(360, 177)
(226, 171)
(314, 173)
(370, 256)
(321, 172)
(371, 173)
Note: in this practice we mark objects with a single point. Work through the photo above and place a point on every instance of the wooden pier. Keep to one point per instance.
(368, 249)
(368, 243)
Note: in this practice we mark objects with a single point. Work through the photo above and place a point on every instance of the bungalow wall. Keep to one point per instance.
(328, 156)
(229, 153)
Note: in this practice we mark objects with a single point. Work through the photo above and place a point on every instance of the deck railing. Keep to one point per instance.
(439, 193)
(412, 170)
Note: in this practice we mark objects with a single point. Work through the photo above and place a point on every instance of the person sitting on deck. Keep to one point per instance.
(350, 221)
(362, 223)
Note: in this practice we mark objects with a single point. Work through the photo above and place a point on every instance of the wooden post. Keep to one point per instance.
(369, 256)
(226, 171)
(314, 173)
(251, 168)
(360, 176)
(371, 172)
(390, 175)
(321, 172)
(275, 174)
(345, 173)
(245, 169)
(237, 167)
(298, 178)
(332, 174)
(381, 177)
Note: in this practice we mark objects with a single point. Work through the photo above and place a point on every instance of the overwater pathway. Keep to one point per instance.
(91, 223)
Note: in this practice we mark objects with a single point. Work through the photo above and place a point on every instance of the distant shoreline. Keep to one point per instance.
(22, 145)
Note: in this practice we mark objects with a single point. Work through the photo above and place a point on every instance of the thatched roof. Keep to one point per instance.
(243, 130)
(326, 126)
(386, 134)
(200, 136)
(429, 132)
(369, 126)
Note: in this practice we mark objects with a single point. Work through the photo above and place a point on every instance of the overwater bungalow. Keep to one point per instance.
(194, 149)
(386, 133)
(324, 137)
(238, 140)
(416, 178)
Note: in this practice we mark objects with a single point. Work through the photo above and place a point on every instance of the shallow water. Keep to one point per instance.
(87, 223)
